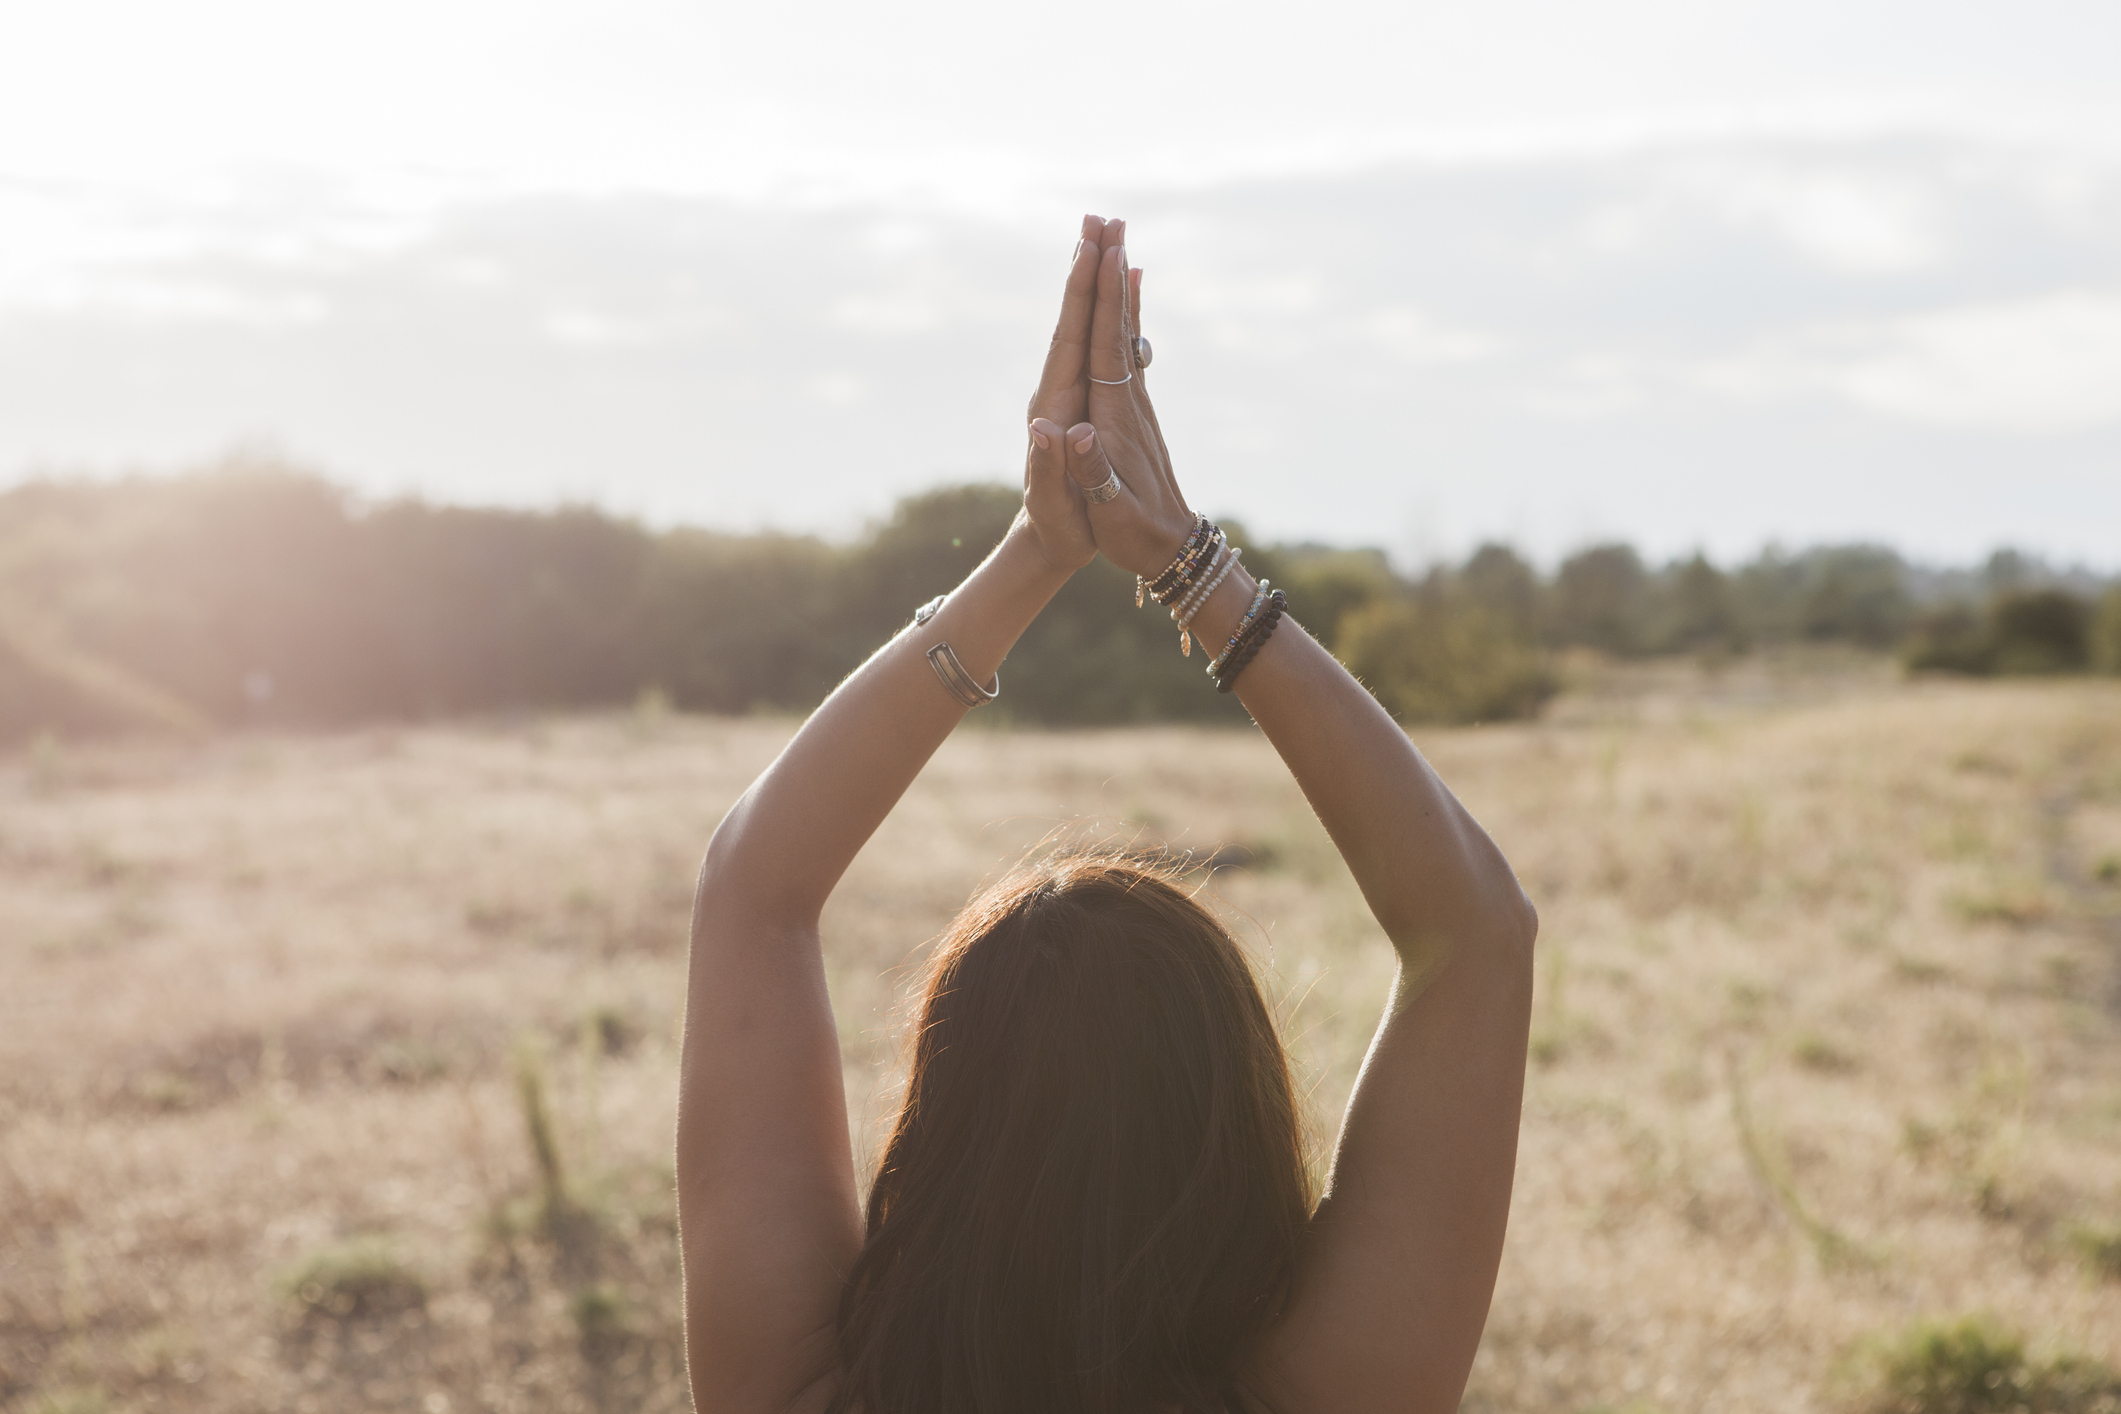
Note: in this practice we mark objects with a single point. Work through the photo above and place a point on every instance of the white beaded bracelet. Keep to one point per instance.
(1199, 597)
(1191, 599)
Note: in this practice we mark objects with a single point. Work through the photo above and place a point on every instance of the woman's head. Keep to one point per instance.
(1093, 1195)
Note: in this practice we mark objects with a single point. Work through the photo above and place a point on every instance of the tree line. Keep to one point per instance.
(258, 594)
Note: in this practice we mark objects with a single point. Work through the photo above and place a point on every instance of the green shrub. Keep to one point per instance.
(2022, 632)
(2041, 631)
(2099, 1244)
(1444, 661)
(1325, 586)
(2106, 632)
(1974, 1366)
(1950, 639)
(365, 1276)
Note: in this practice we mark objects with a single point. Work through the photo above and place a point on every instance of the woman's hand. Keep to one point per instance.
(1054, 510)
(1142, 528)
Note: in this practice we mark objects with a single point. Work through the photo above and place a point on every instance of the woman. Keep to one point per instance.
(1094, 1196)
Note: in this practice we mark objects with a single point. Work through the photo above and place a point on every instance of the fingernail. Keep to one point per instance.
(1084, 444)
(1077, 253)
(1039, 437)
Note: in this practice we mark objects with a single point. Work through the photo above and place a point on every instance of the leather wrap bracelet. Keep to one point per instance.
(1256, 638)
(1237, 635)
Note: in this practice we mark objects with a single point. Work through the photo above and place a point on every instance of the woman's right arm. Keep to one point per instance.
(1401, 1259)
(1400, 1262)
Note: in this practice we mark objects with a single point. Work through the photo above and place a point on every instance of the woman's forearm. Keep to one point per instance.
(1429, 871)
(784, 845)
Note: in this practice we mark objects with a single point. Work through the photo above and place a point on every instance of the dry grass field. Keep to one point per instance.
(338, 1072)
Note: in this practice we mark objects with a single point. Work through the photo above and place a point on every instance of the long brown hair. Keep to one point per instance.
(1092, 1197)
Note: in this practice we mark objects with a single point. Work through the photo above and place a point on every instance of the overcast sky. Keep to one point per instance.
(1688, 273)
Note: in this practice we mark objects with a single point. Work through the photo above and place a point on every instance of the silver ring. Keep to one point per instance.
(1143, 354)
(1115, 382)
(1098, 495)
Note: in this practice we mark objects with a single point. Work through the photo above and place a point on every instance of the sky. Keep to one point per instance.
(1691, 274)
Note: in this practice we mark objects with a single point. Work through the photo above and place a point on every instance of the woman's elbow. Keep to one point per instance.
(1524, 921)
(1508, 932)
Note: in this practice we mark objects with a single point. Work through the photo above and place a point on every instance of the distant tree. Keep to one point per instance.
(1445, 661)
(2041, 631)
(1951, 638)
(481, 609)
(729, 623)
(1497, 578)
(1599, 600)
(1856, 594)
(1697, 610)
(1768, 594)
(2023, 631)
(1324, 583)
(252, 593)
(927, 547)
(2106, 632)
(2006, 569)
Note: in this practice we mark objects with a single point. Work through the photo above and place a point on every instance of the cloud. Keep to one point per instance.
(2040, 366)
(2044, 365)
(1712, 341)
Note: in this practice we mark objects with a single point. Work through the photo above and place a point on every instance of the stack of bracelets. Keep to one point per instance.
(1198, 570)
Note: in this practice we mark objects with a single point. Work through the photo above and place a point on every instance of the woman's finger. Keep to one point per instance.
(1088, 466)
(1047, 464)
(1064, 356)
(1143, 405)
(1108, 324)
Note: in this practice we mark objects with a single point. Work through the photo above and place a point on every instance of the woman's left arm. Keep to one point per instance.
(766, 1188)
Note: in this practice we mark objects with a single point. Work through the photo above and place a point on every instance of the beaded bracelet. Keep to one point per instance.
(1210, 575)
(1183, 615)
(1189, 568)
(1189, 553)
(1248, 633)
(1261, 632)
(1259, 597)
(1186, 594)
(1193, 537)
(1162, 582)
(1195, 565)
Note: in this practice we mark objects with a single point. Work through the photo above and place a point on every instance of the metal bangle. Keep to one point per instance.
(956, 681)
